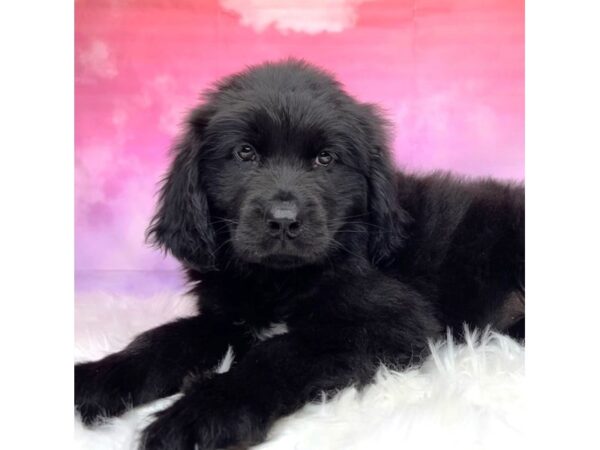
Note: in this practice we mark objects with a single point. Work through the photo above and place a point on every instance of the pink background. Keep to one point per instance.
(449, 73)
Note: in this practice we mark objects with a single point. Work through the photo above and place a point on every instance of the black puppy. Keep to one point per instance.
(313, 262)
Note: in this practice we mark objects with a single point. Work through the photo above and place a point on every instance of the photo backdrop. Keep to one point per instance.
(448, 73)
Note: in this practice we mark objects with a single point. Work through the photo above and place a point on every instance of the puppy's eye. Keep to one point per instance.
(324, 159)
(245, 152)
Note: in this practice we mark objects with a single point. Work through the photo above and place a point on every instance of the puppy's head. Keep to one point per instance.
(279, 167)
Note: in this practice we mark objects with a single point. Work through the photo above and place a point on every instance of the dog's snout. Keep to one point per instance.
(282, 220)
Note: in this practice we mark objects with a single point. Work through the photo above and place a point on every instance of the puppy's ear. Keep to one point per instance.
(182, 223)
(387, 218)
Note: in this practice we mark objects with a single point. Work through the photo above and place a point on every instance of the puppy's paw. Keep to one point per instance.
(98, 394)
(205, 419)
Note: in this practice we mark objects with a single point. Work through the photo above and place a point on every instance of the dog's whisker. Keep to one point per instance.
(354, 216)
(341, 221)
(222, 219)
(343, 247)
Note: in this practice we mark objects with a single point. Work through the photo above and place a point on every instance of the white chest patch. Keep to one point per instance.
(274, 329)
(226, 362)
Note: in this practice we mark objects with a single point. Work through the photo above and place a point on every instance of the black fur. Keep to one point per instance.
(362, 263)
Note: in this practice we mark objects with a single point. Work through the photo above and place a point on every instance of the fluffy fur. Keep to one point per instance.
(284, 209)
(467, 396)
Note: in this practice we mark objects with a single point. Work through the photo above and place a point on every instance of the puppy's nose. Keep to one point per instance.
(282, 220)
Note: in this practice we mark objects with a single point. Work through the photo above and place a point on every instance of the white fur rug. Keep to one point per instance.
(468, 396)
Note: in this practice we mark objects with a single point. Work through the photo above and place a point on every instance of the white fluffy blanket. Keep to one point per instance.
(467, 396)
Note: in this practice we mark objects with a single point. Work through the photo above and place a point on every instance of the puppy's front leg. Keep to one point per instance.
(151, 367)
(274, 379)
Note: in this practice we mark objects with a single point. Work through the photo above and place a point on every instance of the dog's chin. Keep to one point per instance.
(277, 260)
(283, 262)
